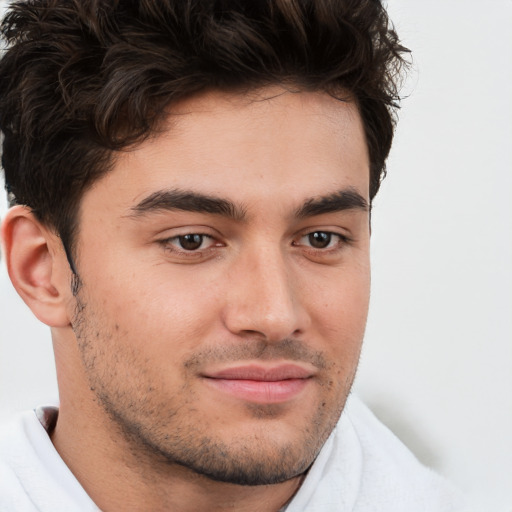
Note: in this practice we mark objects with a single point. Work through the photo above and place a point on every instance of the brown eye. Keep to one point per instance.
(319, 239)
(190, 242)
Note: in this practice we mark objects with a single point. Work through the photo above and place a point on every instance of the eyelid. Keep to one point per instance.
(204, 237)
(174, 232)
(171, 247)
(343, 238)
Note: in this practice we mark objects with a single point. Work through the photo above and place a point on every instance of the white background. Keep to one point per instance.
(437, 361)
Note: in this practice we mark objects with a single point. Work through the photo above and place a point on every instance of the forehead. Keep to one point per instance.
(271, 142)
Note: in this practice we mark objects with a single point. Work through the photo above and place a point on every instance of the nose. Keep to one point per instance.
(264, 298)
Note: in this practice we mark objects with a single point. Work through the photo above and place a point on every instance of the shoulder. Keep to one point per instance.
(364, 467)
(33, 477)
(391, 476)
(15, 462)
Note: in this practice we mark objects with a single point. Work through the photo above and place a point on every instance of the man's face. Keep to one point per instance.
(225, 282)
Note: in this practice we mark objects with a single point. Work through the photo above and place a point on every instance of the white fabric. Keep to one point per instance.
(33, 477)
(362, 467)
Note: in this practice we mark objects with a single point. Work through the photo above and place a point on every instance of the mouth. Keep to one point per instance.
(260, 384)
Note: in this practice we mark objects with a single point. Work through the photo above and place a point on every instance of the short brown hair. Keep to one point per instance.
(81, 79)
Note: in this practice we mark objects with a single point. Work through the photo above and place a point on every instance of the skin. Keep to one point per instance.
(142, 424)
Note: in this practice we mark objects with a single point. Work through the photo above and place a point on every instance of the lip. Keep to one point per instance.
(260, 384)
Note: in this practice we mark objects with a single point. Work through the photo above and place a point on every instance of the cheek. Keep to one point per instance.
(168, 310)
(341, 314)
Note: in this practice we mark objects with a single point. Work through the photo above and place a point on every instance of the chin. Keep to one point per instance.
(247, 467)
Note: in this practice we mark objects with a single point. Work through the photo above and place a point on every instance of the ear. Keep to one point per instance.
(37, 266)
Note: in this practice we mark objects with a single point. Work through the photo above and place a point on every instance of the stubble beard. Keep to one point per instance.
(170, 431)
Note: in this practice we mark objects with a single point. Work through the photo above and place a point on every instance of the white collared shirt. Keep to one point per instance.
(362, 467)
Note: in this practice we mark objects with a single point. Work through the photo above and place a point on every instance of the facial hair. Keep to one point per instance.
(167, 427)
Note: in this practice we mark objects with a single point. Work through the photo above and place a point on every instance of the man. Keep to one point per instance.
(192, 184)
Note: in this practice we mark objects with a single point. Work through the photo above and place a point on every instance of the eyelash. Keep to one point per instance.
(336, 241)
(169, 243)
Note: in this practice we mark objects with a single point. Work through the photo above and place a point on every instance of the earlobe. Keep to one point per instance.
(35, 267)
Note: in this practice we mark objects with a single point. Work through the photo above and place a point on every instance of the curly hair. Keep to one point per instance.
(82, 79)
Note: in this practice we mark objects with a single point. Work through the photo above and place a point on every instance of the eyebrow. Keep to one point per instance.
(347, 199)
(183, 200)
(172, 200)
